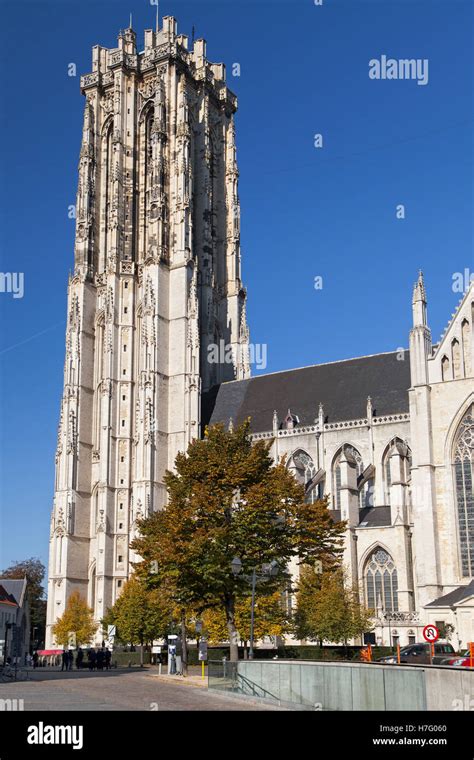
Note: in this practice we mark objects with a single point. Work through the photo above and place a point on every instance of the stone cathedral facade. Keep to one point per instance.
(156, 281)
(388, 438)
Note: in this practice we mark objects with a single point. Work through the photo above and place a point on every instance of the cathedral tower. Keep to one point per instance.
(156, 282)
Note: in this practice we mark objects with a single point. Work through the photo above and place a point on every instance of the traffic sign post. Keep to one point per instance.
(202, 655)
(431, 634)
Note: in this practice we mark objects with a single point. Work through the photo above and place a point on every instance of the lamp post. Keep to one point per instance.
(270, 569)
(33, 639)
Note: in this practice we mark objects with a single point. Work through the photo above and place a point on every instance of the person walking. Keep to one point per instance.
(35, 659)
(91, 658)
(100, 659)
(108, 658)
(64, 660)
(70, 659)
(79, 659)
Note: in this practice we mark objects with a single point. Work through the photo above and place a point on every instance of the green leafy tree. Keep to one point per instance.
(327, 609)
(77, 618)
(228, 499)
(141, 614)
(34, 571)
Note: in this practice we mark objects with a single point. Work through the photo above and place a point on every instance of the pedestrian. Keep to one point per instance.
(70, 659)
(108, 658)
(100, 659)
(64, 660)
(35, 659)
(79, 659)
(91, 658)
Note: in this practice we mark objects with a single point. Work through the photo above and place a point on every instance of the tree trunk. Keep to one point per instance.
(141, 653)
(232, 630)
(184, 645)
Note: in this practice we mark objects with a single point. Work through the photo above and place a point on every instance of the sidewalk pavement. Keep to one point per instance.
(194, 677)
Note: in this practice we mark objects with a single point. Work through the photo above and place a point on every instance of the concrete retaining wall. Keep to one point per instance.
(357, 686)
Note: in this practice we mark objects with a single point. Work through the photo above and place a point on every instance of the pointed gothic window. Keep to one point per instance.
(445, 368)
(381, 582)
(463, 480)
(302, 467)
(456, 357)
(466, 346)
(365, 491)
(396, 446)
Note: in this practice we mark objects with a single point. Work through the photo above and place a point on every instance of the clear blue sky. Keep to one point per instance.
(305, 212)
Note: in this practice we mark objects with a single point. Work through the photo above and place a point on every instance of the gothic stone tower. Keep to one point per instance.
(156, 281)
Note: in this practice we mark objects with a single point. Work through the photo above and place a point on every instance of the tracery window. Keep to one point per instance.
(381, 581)
(406, 464)
(463, 477)
(304, 471)
(366, 491)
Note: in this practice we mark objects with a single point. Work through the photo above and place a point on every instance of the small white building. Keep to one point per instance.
(14, 619)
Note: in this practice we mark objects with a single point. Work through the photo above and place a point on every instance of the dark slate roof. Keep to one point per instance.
(6, 598)
(454, 597)
(15, 587)
(372, 517)
(342, 387)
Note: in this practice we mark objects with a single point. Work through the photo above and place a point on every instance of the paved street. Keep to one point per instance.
(117, 690)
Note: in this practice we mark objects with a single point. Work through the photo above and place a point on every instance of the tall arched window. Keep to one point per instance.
(381, 581)
(302, 467)
(396, 446)
(92, 587)
(445, 368)
(365, 490)
(466, 346)
(463, 476)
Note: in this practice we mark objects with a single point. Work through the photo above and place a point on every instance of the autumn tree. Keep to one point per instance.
(141, 614)
(227, 499)
(270, 619)
(77, 618)
(328, 609)
(34, 571)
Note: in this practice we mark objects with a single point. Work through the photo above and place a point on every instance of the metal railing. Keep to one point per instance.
(222, 674)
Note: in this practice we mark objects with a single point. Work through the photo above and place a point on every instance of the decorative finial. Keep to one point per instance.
(130, 27)
(369, 407)
(419, 293)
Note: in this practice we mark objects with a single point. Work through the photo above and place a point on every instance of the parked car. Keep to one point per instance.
(419, 654)
(463, 660)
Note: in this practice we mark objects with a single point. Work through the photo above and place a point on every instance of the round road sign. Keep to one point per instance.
(430, 633)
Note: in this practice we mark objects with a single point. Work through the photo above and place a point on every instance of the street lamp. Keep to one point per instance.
(269, 569)
(236, 566)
